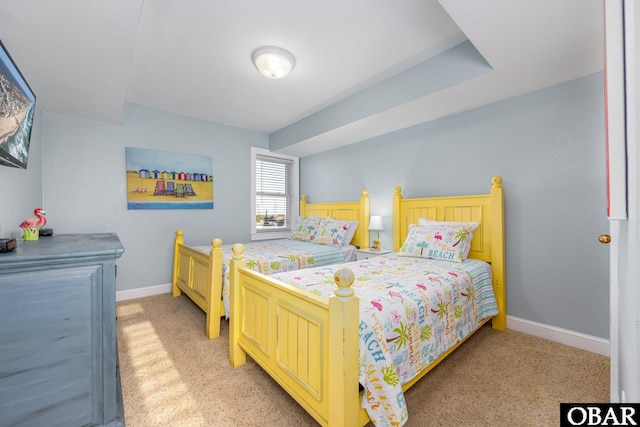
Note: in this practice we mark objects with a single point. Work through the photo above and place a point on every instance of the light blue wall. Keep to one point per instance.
(549, 148)
(82, 186)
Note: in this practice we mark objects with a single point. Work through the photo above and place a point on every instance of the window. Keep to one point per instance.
(274, 194)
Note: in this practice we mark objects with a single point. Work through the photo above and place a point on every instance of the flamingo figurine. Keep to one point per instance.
(32, 226)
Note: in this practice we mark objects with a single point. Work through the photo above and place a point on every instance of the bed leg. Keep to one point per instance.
(213, 325)
(179, 240)
(237, 356)
(176, 292)
(214, 291)
(344, 352)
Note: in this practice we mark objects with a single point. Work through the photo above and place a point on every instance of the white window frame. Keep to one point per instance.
(295, 195)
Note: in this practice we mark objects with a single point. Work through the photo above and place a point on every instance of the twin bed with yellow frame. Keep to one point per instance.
(198, 273)
(310, 344)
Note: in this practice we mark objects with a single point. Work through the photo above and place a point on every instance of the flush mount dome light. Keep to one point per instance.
(273, 62)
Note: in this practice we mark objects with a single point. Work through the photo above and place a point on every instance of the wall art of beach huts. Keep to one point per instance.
(159, 180)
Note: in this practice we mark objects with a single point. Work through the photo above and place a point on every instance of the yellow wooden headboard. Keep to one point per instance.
(348, 211)
(488, 242)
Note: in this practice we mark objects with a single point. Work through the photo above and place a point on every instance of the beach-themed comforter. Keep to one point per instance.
(411, 311)
(274, 256)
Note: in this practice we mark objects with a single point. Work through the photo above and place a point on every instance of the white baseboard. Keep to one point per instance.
(143, 292)
(559, 335)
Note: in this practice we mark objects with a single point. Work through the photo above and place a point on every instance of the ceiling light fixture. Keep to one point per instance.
(273, 62)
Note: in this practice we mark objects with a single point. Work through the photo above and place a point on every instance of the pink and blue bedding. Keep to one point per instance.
(281, 255)
(412, 310)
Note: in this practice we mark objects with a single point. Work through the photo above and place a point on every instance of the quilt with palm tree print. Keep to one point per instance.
(412, 310)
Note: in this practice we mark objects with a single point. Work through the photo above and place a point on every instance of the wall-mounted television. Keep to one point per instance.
(17, 104)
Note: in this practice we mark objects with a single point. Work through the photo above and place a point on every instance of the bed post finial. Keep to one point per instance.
(344, 279)
(496, 182)
(216, 243)
(238, 250)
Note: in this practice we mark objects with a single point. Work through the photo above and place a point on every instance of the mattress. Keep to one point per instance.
(412, 310)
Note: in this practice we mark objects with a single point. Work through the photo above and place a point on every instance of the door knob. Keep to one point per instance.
(604, 238)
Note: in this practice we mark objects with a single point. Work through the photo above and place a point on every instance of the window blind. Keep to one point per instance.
(274, 209)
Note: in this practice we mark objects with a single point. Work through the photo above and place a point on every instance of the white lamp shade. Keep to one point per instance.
(273, 62)
(375, 223)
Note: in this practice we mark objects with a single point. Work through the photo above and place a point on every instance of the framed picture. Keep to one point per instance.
(17, 105)
(165, 180)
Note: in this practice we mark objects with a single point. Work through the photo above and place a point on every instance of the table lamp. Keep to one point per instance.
(375, 224)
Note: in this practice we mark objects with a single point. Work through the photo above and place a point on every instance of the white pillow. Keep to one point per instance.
(353, 226)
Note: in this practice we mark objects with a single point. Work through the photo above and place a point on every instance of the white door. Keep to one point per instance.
(621, 82)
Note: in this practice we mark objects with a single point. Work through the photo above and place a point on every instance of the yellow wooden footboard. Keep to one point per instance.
(199, 276)
(308, 344)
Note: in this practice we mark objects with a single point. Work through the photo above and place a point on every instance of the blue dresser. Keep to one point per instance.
(58, 349)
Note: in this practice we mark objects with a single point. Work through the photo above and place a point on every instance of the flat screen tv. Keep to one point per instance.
(17, 104)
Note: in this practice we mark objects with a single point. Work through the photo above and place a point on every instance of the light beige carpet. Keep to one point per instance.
(172, 375)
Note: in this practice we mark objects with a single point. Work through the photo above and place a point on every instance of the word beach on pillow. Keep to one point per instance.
(473, 225)
(439, 240)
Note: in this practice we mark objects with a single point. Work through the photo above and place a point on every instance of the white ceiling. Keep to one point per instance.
(193, 57)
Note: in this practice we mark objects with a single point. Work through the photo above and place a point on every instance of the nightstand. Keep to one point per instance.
(368, 253)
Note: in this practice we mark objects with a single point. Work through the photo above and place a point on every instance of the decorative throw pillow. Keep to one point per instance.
(353, 226)
(473, 225)
(331, 232)
(306, 228)
(439, 241)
